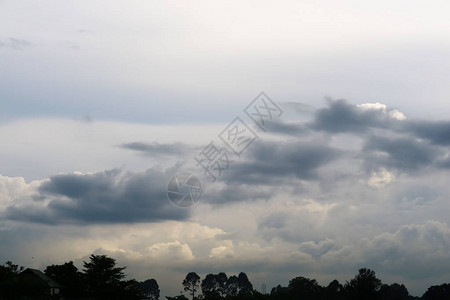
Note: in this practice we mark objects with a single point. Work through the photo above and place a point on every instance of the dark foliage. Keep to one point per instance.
(191, 283)
(102, 279)
(69, 277)
(437, 292)
(219, 286)
(365, 285)
(150, 289)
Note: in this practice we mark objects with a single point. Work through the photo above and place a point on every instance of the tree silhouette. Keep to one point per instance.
(245, 287)
(214, 286)
(191, 283)
(9, 281)
(180, 297)
(104, 279)
(232, 286)
(437, 292)
(69, 277)
(304, 288)
(333, 291)
(279, 292)
(365, 285)
(393, 292)
(150, 288)
(217, 286)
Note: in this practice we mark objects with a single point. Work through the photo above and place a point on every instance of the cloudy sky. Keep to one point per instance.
(102, 102)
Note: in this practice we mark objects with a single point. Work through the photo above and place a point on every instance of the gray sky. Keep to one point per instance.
(102, 102)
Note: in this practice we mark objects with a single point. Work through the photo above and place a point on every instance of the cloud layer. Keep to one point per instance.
(320, 195)
(102, 197)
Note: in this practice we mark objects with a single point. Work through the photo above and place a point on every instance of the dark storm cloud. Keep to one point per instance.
(437, 132)
(236, 193)
(404, 154)
(158, 149)
(269, 162)
(408, 145)
(340, 117)
(102, 197)
(270, 168)
(444, 163)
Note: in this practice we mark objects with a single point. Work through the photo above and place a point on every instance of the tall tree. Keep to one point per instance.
(245, 287)
(9, 281)
(104, 279)
(191, 283)
(304, 288)
(130, 290)
(232, 286)
(179, 297)
(150, 288)
(214, 286)
(365, 285)
(69, 277)
(437, 292)
(394, 291)
(333, 291)
(279, 293)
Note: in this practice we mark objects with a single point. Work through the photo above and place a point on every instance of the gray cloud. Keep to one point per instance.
(287, 128)
(317, 249)
(237, 192)
(340, 116)
(296, 106)
(269, 162)
(156, 149)
(15, 44)
(437, 132)
(276, 220)
(291, 227)
(398, 252)
(102, 197)
(406, 145)
(404, 154)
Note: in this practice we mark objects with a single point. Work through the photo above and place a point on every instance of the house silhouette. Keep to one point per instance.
(36, 282)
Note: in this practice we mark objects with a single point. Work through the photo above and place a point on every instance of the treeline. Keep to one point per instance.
(101, 279)
(364, 286)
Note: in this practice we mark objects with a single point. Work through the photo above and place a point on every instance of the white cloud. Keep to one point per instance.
(392, 113)
(381, 178)
(222, 252)
(395, 114)
(173, 251)
(15, 190)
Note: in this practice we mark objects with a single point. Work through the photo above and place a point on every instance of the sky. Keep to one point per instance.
(103, 102)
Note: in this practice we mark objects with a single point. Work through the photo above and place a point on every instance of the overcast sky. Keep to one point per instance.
(102, 102)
